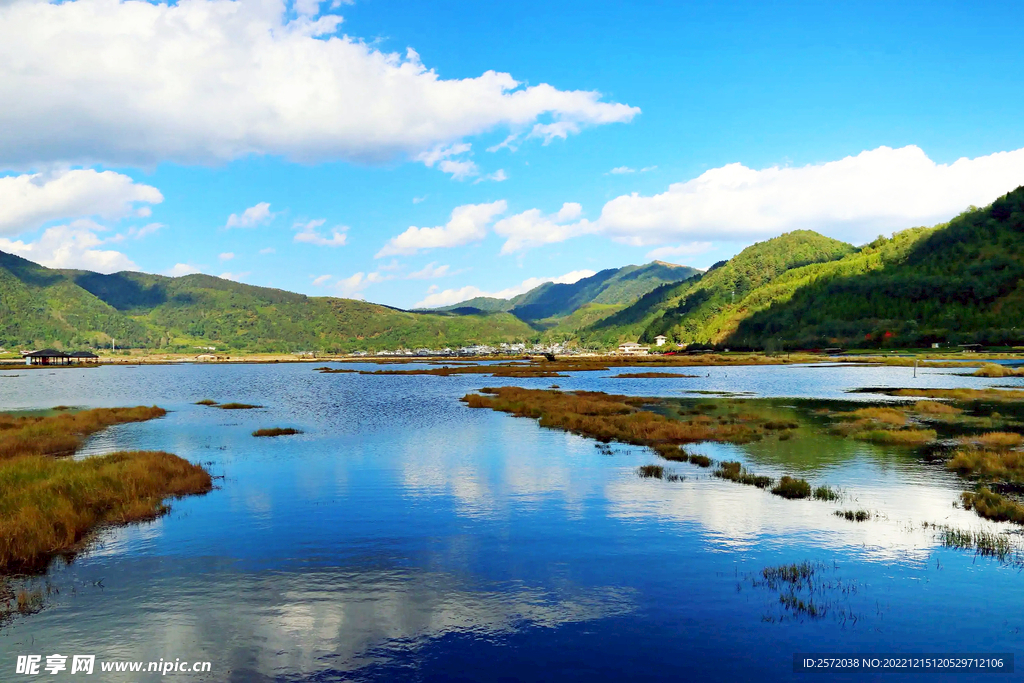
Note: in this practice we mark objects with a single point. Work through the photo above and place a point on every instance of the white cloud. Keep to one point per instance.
(268, 250)
(251, 217)
(532, 228)
(460, 169)
(442, 155)
(623, 170)
(71, 246)
(691, 249)
(321, 280)
(429, 272)
(352, 287)
(447, 297)
(209, 81)
(854, 199)
(30, 200)
(417, 200)
(307, 233)
(236, 277)
(498, 177)
(468, 223)
(148, 229)
(181, 269)
(226, 256)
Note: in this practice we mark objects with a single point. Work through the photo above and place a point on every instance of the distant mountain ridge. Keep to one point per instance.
(612, 287)
(74, 308)
(961, 282)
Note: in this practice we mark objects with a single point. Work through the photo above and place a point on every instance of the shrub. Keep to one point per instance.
(651, 471)
(991, 505)
(788, 487)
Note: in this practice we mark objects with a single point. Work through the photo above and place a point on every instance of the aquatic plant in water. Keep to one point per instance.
(790, 487)
(276, 431)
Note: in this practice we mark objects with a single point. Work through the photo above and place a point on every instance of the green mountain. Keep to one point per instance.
(962, 282)
(705, 308)
(71, 308)
(546, 305)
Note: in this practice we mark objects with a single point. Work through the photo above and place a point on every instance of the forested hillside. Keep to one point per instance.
(955, 283)
(705, 308)
(546, 305)
(76, 309)
(958, 283)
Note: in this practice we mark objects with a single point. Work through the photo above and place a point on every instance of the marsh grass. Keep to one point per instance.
(853, 515)
(651, 472)
(652, 375)
(958, 394)
(933, 408)
(1000, 546)
(989, 464)
(237, 406)
(65, 432)
(49, 505)
(897, 437)
(792, 488)
(994, 506)
(826, 493)
(804, 591)
(610, 417)
(276, 431)
(996, 370)
(206, 402)
(736, 472)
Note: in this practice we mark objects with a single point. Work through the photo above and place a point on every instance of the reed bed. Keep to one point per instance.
(237, 406)
(853, 515)
(48, 505)
(996, 370)
(651, 472)
(962, 394)
(985, 543)
(206, 402)
(736, 472)
(989, 464)
(64, 433)
(652, 375)
(826, 493)
(276, 431)
(792, 488)
(994, 506)
(609, 417)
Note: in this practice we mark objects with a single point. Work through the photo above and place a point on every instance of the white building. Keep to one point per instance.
(660, 340)
(633, 349)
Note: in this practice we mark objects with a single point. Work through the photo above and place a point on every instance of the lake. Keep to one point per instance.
(404, 536)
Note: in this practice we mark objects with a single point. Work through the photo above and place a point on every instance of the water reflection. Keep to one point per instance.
(402, 531)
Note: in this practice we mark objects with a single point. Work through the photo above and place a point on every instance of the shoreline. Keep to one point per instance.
(709, 359)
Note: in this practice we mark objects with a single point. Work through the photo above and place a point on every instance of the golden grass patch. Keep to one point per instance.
(64, 433)
(48, 505)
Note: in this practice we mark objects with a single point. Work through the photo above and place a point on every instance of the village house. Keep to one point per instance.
(660, 340)
(633, 349)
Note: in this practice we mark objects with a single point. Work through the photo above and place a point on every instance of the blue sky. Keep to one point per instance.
(353, 167)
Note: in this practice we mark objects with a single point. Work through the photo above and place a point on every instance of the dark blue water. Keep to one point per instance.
(403, 536)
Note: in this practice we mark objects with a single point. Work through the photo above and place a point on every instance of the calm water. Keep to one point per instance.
(406, 537)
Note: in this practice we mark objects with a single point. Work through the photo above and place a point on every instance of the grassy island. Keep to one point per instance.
(50, 503)
(978, 434)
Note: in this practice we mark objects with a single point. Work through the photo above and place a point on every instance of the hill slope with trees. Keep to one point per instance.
(73, 309)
